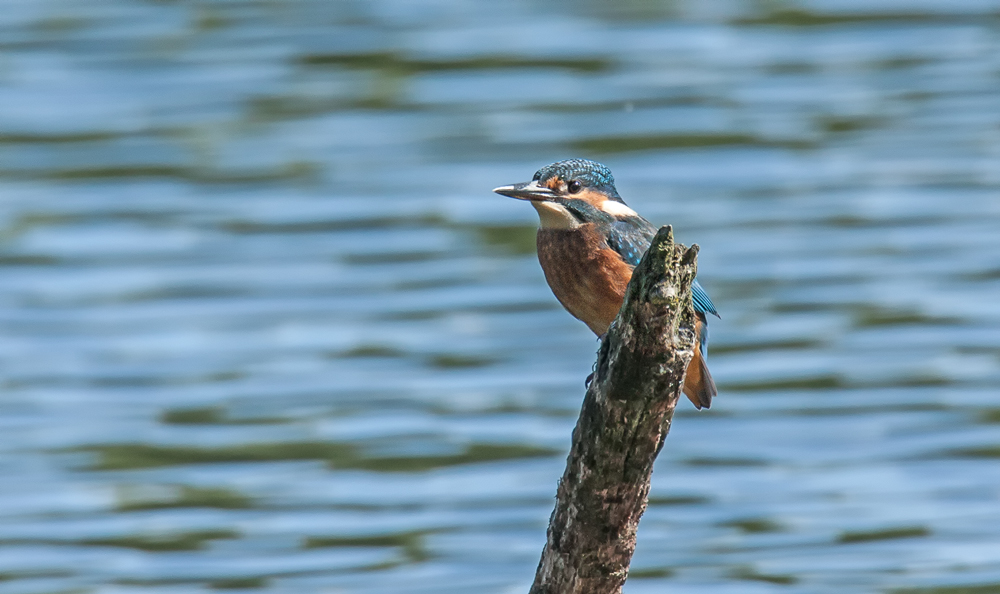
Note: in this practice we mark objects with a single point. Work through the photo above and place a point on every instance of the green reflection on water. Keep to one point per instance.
(144, 381)
(212, 415)
(136, 455)
(513, 239)
(232, 583)
(754, 525)
(872, 316)
(330, 225)
(473, 454)
(386, 95)
(622, 144)
(184, 541)
(724, 462)
(294, 171)
(981, 452)
(58, 138)
(650, 573)
(513, 307)
(885, 534)
(987, 274)
(803, 18)
(337, 455)
(402, 64)
(679, 500)
(968, 589)
(821, 382)
(412, 544)
(749, 573)
(8, 576)
(61, 23)
(369, 351)
(763, 345)
(244, 583)
(456, 361)
(673, 100)
(879, 407)
(209, 20)
(185, 496)
(27, 260)
(841, 124)
(395, 257)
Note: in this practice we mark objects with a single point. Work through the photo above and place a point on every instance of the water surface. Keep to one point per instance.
(264, 327)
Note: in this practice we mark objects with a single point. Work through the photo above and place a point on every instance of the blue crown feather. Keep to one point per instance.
(590, 173)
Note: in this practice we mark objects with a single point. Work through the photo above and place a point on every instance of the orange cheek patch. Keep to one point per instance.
(592, 197)
(554, 183)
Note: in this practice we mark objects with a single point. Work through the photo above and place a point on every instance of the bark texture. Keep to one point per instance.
(625, 417)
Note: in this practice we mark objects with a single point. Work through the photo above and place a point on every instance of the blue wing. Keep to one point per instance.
(702, 302)
(631, 238)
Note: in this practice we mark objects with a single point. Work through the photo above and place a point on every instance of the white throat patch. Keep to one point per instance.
(555, 216)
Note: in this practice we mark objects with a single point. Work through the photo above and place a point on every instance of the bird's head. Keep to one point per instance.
(570, 193)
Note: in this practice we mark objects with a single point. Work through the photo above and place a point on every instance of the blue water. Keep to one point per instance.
(263, 325)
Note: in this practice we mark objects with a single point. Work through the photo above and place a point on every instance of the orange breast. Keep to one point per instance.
(586, 276)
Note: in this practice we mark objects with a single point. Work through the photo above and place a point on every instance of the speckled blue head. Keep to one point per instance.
(589, 173)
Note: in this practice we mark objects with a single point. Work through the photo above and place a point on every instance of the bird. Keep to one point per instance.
(589, 242)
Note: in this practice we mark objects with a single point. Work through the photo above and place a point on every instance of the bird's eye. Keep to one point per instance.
(574, 187)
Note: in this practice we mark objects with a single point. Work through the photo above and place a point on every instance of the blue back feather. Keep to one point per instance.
(631, 238)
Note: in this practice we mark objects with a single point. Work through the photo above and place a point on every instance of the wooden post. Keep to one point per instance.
(625, 417)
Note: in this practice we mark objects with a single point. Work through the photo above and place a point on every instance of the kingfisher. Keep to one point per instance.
(589, 241)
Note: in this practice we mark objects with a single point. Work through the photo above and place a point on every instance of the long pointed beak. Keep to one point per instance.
(527, 191)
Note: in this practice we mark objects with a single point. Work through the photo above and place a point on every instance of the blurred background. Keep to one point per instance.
(264, 327)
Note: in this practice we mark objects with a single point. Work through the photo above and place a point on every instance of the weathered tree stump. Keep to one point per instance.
(625, 417)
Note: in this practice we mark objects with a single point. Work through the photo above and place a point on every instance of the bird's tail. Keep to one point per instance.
(699, 386)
